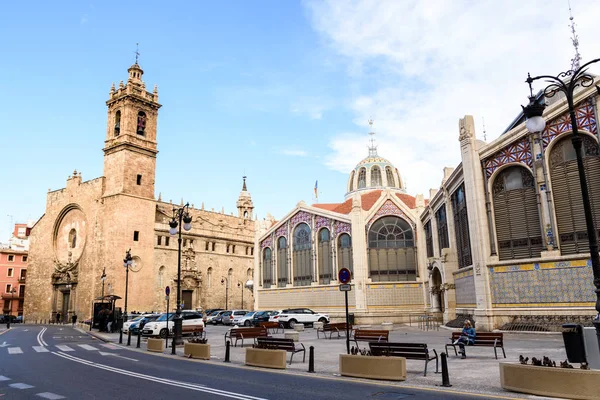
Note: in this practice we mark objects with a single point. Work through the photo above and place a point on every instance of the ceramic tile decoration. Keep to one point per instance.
(388, 208)
(341, 227)
(517, 152)
(586, 120)
(301, 216)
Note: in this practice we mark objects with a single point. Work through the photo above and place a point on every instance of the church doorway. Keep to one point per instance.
(64, 312)
(186, 296)
(436, 291)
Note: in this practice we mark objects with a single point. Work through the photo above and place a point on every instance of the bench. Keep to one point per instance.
(196, 330)
(411, 351)
(282, 344)
(270, 325)
(334, 327)
(483, 339)
(245, 333)
(368, 335)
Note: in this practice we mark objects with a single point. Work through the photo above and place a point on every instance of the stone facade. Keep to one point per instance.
(89, 225)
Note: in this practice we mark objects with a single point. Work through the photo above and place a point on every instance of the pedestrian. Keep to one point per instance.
(467, 337)
(58, 318)
(74, 320)
(109, 321)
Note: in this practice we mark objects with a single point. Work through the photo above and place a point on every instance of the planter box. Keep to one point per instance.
(292, 335)
(371, 367)
(157, 345)
(197, 350)
(317, 325)
(299, 327)
(266, 358)
(551, 382)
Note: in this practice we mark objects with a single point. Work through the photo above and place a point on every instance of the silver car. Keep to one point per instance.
(245, 320)
(227, 319)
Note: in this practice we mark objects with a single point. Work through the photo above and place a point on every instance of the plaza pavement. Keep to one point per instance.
(479, 373)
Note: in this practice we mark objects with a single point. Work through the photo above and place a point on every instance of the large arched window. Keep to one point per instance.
(568, 204)
(375, 176)
(389, 174)
(161, 277)
(344, 252)
(392, 251)
(117, 122)
(209, 274)
(351, 185)
(362, 178)
(282, 266)
(302, 255)
(267, 274)
(141, 123)
(461, 227)
(517, 216)
(325, 262)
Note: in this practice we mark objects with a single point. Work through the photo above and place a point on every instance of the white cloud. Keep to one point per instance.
(294, 152)
(422, 65)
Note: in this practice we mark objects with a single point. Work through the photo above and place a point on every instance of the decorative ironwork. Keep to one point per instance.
(519, 151)
(302, 238)
(586, 119)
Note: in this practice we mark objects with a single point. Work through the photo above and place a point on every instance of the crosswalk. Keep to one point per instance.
(60, 347)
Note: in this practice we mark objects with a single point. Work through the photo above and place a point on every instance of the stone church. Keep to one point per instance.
(89, 225)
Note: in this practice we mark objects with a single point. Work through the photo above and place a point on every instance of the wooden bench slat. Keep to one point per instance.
(482, 339)
(412, 351)
(283, 344)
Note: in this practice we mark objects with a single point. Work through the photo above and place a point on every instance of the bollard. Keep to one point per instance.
(120, 336)
(227, 345)
(445, 376)
(129, 337)
(139, 335)
(311, 359)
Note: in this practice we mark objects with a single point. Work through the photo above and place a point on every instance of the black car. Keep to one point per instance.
(261, 316)
(13, 319)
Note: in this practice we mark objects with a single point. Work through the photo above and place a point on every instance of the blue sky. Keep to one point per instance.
(279, 91)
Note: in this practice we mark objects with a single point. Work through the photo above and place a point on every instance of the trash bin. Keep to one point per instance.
(574, 344)
(351, 318)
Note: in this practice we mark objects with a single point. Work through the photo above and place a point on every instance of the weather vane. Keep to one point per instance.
(137, 53)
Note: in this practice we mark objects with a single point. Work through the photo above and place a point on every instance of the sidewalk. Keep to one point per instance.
(479, 373)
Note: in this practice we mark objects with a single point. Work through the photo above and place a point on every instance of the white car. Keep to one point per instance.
(192, 323)
(245, 319)
(293, 316)
(274, 317)
(127, 324)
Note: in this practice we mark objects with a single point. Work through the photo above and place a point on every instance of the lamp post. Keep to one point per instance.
(127, 262)
(241, 286)
(566, 83)
(181, 218)
(248, 285)
(226, 282)
(103, 278)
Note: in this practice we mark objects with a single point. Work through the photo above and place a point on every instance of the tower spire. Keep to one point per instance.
(575, 61)
(244, 189)
(137, 52)
(372, 147)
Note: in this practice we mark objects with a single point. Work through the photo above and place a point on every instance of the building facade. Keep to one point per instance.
(13, 275)
(89, 225)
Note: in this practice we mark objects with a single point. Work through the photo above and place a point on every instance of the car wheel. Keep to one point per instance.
(247, 323)
(323, 320)
(292, 323)
(163, 333)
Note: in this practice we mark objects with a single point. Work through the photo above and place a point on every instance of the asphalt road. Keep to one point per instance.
(38, 362)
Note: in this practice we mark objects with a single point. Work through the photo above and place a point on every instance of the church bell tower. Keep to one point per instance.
(130, 145)
(244, 203)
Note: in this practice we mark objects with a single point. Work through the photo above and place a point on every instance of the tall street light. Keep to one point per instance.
(225, 281)
(127, 262)
(248, 285)
(566, 83)
(181, 218)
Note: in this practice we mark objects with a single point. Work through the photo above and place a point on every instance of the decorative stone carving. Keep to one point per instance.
(466, 127)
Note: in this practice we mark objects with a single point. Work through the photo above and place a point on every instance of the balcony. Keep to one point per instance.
(22, 279)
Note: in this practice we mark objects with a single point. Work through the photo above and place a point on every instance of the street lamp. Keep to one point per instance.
(127, 262)
(103, 278)
(226, 282)
(566, 83)
(248, 285)
(181, 218)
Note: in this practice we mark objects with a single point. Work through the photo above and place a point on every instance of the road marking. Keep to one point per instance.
(51, 396)
(110, 346)
(20, 386)
(87, 347)
(4, 344)
(4, 378)
(15, 350)
(25, 330)
(40, 349)
(116, 355)
(170, 382)
(40, 337)
(63, 347)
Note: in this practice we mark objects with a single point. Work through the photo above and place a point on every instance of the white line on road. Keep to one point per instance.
(110, 346)
(63, 347)
(4, 378)
(40, 337)
(185, 385)
(51, 396)
(87, 347)
(115, 355)
(20, 386)
(4, 344)
(40, 349)
(15, 350)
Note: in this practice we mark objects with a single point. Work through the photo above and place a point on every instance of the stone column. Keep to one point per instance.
(359, 253)
(478, 228)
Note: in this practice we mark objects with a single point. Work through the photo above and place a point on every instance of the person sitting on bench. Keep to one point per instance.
(467, 337)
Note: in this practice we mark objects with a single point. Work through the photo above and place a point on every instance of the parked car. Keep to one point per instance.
(215, 317)
(225, 317)
(209, 312)
(159, 326)
(261, 316)
(139, 324)
(245, 319)
(293, 316)
(127, 324)
(274, 317)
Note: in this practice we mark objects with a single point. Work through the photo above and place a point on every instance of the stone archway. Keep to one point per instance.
(437, 293)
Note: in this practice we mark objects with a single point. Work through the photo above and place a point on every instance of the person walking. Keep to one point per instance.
(467, 337)
(74, 320)
(58, 318)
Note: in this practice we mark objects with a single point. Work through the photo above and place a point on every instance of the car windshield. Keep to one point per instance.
(164, 317)
(212, 314)
(136, 319)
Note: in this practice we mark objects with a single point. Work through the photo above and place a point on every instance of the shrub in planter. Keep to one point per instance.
(197, 348)
(361, 364)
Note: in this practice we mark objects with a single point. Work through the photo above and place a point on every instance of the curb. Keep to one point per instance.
(94, 335)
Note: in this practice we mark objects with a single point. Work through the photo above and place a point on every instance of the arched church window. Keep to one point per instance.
(282, 262)
(389, 174)
(375, 176)
(351, 183)
(302, 255)
(362, 178)
(344, 249)
(267, 270)
(516, 212)
(73, 238)
(325, 263)
(566, 191)
(117, 122)
(392, 252)
(209, 274)
(141, 123)
(246, 214)
(161, 277)
(249, 274)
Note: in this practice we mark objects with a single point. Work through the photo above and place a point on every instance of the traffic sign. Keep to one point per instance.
(344, 275)
(345, 287)
(167, 290)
